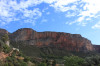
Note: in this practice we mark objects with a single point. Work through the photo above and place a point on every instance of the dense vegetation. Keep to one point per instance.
(12, 57)
(31, 50)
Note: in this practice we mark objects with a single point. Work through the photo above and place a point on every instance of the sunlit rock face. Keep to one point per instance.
(66, 41)
(24, 34)
(7, 43)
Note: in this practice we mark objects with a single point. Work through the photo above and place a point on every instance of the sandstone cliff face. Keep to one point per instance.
(23, 34)
(67, 41)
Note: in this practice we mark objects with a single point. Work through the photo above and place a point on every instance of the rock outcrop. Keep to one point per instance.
(97, 48)
(3, 31)
(67, 41)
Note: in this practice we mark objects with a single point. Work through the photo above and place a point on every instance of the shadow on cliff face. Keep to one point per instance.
(46, 51)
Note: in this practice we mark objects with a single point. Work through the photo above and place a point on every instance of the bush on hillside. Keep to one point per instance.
(6, 48)
(73, 61)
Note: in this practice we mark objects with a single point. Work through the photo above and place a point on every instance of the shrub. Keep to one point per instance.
(26, 59)
(54, 63)
(42, 64)
(93, 60)
(73, 61)
(6, 48)
(5, 38)
(24, 64)
(10, 64)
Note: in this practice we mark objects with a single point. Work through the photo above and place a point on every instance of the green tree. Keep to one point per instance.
(24, 64)
(9, 59)
(5, 38)
(73, 61)
(17, 64)
(42, 64)
(1, 45)
(6, 48)
(10, 64)
(92, 61)
(54, 63)
(26, 59)
(6, 64)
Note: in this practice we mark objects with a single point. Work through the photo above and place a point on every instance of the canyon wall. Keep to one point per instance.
(66, 41)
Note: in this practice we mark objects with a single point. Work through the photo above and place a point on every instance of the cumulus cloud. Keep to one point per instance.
(90, 10)
(64, 5)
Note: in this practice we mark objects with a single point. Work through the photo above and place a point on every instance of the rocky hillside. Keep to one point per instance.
(46, 49)
(66, 41)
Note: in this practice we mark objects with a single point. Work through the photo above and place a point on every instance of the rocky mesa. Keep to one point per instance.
(66, 41)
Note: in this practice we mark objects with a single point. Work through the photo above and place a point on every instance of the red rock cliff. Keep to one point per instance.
(67, 41)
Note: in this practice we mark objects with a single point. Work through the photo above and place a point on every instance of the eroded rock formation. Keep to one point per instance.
(67, 41)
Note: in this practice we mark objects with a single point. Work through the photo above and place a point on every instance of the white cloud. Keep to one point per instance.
(70, 23)
(44, 9)
(31, 13)
(63, 5)
(88, 19)
(86, 8)
(10, 9)
(82, 23)
(49, 1)
(92, 6)
(96, 26)
(89, 10)
(80, 19)
(69, 14)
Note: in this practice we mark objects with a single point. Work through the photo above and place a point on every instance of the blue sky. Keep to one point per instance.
(70, 16)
